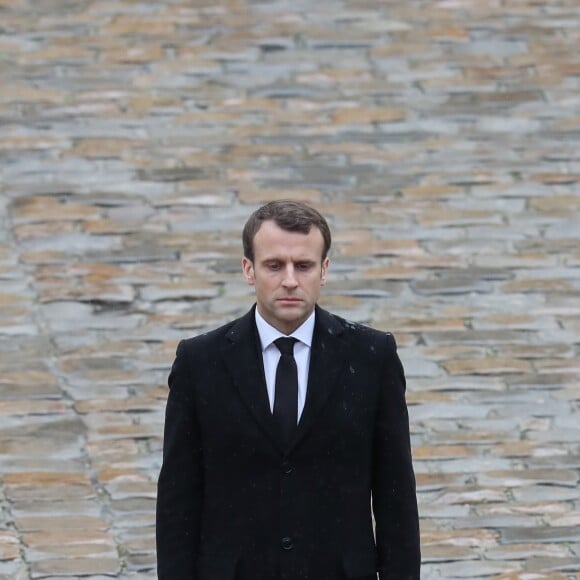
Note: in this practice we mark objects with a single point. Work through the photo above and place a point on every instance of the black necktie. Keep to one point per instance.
(286, 397)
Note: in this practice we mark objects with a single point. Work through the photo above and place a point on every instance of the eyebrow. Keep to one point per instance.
(298, 261)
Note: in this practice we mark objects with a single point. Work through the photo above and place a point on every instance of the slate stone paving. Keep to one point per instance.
(442, 140)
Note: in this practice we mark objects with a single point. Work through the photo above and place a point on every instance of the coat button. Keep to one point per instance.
(287, 543)
(287, 468)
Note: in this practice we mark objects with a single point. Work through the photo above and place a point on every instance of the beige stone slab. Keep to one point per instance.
(53, 492)
(31, 231)
(416, 398)
(76, 567)
(517, 449)
(110, 474)
(44, 209)
(558, 203)
(28, 377)
(9, 545)
(134, 55)
(460, 538)
(556, 178)
(355, 115)
(24, 92)
(542, 286)
(45, 478)
(431, 261)
(40, 407)
(134, 24)
(23, 144)
(435, 481)
(253, 195)
(389, 273)
(117, 405)
(490, 366)
(382, 248)
(118, 453)
(44, 257)
(429, 452)
(558, 366)
(12, 299)
(62, 523)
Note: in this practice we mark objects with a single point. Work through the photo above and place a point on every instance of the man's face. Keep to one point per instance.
(287, 273)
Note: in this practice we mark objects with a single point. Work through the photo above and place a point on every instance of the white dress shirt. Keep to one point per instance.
(271, 356)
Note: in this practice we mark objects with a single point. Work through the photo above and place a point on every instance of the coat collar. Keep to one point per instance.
(242, 357)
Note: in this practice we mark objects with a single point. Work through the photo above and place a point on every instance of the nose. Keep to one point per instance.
(289, 280)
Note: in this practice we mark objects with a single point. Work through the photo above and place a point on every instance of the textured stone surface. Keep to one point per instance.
(441, 139)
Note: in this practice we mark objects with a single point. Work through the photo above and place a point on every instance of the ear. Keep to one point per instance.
(325, 263)
(248, 270)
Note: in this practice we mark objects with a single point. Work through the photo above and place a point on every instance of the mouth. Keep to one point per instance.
(289, 300)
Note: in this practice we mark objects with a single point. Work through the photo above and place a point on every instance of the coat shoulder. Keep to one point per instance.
(362, 342)
(207, 341)
(361, 333)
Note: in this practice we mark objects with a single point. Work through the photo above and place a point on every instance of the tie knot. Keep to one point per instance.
(285, 344)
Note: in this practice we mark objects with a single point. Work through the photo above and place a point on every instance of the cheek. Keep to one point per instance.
(264, 286)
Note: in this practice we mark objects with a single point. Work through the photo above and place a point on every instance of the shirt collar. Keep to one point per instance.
(268, 334)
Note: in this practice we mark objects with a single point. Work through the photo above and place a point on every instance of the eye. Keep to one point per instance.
(304, 266)
(273, 266)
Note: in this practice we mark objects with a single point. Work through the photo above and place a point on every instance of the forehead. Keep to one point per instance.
(273, 241)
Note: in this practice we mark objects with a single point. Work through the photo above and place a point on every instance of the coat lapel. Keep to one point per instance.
(242, 357)
(327, 360)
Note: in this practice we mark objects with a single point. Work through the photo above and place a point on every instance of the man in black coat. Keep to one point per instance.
(278, 453)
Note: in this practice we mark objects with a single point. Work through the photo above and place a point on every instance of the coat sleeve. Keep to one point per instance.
(180, 485)
(394, 492)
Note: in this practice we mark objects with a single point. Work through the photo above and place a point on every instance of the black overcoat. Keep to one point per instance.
(234, 504)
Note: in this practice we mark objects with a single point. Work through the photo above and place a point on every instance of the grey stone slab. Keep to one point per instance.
(538, 493)
(473, 466)
(557, 564)
(483, 337)
(516, 535)
(451, 286)
(556, 436)
(429, 510)
(495, 522)
(476, 569)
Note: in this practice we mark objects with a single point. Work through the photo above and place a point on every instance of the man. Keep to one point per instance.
(273, 448)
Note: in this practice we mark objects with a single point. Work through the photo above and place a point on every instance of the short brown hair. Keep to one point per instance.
(292, 216)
